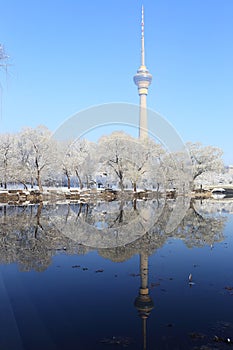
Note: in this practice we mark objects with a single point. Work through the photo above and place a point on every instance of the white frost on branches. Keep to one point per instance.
(33, 157)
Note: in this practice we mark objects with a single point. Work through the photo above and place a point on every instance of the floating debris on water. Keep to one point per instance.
(222, 340)
(228, 288)
(195, 335)
(123, 341)
(152, 285)
(169, 325)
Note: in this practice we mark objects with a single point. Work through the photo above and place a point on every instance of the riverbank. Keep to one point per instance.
(32, 196)
(19, 196)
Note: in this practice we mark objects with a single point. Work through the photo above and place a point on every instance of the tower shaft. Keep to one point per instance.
(143, 127)
(144, 274)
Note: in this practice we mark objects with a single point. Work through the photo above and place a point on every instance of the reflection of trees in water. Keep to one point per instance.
(197, 230)
(111, 214)
(24, 240)
(29, 238)
(194, 229)
(107, 225)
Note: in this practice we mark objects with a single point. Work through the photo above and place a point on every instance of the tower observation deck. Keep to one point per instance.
(143, 79)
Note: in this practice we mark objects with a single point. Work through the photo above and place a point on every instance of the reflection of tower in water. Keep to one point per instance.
(143, 303)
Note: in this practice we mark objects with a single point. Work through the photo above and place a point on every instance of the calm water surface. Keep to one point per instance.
(60, 291)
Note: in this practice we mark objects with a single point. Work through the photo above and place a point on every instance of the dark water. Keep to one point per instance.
(59, 293)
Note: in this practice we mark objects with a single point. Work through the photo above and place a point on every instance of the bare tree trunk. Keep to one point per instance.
(79, 180)
(68, 179)
(24, 185)
(5, 177)
(5, 173)
(38, 179)
(88, 185)
(121, 180)
(121, 184)
(134, 186)
(68, 182)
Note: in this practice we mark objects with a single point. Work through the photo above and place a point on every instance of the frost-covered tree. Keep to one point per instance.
(143, 166)
(82, 153)
(6, 159)
(66, 160)
(37, 155)
(23, 158)
(211, 178)
(177, 171)
(205, 158)
(127, 158)
(114, 151)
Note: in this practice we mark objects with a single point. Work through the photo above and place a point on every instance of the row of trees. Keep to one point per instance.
(33, 157)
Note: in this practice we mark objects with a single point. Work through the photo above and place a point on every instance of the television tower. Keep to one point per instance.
(143, 79)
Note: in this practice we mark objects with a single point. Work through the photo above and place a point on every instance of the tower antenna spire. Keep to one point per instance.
(142, 40)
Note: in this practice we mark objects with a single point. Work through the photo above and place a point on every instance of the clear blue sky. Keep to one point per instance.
(68, 55)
